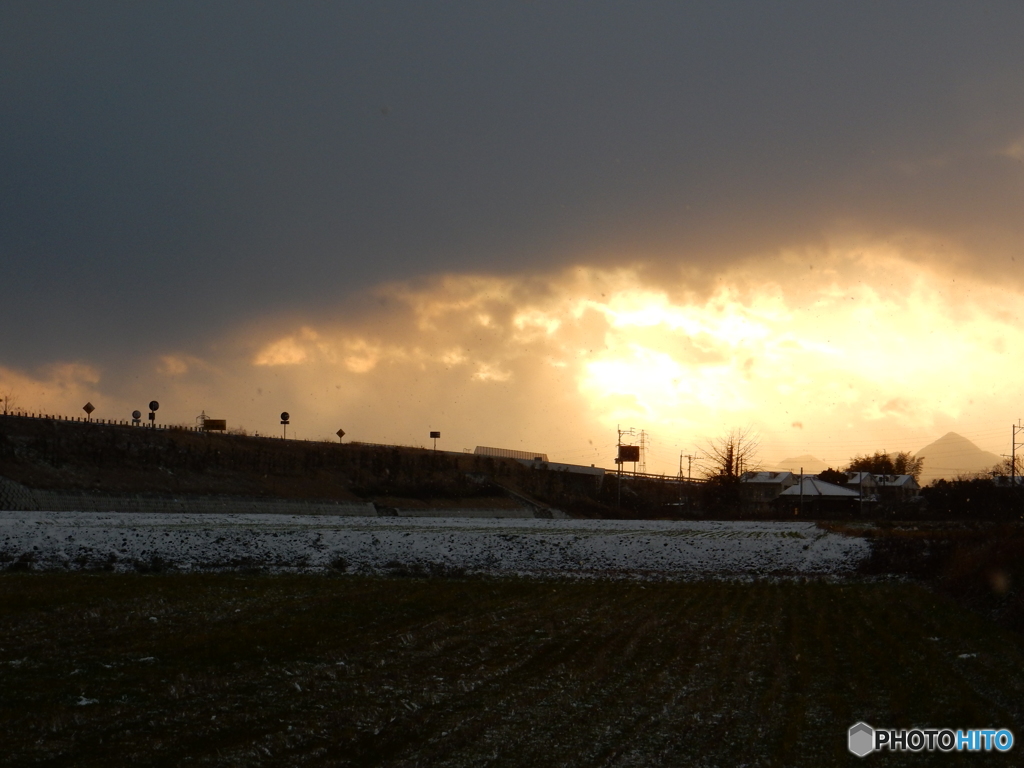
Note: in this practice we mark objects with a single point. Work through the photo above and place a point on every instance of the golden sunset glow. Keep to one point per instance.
(829, 353)
(523, 225)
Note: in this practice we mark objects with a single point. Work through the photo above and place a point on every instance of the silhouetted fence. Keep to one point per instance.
(107, 422)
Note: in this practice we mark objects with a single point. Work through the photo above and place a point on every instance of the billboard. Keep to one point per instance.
(629, 453)
(215, 425)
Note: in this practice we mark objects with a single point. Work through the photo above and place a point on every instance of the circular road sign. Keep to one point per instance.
(154, 406)
(285, 416)
(136, 415)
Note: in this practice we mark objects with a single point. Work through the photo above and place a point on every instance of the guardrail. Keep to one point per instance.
(626, 475)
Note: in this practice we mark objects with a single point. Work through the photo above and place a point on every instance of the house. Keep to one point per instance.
(817, 497)
(897, 487)
(863, 483)
(760, 489)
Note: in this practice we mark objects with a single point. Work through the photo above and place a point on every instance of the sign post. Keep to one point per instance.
(434, 436)
(88, 408)
(626, 453)
(284, 423)
(340, 433)
(154, 406)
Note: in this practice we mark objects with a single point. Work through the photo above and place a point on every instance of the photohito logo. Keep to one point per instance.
(862, 739)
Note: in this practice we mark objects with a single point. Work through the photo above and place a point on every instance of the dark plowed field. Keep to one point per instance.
(281, 670)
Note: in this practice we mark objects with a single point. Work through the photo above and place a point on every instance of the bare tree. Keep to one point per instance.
(1005, 468)
(729, 456)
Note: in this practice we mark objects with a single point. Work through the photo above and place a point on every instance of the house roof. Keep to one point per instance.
(896, 481)
(767, 477)
(813, 487)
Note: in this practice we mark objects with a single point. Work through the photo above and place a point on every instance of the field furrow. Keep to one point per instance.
(293, 670)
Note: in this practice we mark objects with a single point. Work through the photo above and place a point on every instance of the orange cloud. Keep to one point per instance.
(811, 347)
(61, 389)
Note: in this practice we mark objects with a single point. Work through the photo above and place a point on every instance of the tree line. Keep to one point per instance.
(726, 458)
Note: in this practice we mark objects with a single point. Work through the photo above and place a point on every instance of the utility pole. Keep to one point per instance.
(680, 478)
(1015, 428)
(801, 489)
(618, 466)
(689, 481)
(632, 433)
(619, 460)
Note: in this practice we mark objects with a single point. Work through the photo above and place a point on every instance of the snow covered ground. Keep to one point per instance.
(129, 541)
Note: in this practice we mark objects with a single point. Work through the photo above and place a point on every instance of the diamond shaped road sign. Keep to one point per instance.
(861, 739)
(89, 408)
(340, 433)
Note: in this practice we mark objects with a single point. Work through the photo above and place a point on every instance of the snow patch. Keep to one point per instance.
(199, 542)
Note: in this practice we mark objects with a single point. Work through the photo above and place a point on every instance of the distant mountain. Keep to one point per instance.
(953, 455)
(811, 465)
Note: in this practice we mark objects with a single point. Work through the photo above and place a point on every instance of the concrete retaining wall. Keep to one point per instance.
(17, 497)
(521, 512)
(57, 501)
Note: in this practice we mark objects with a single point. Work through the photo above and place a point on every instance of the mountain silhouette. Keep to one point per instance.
(952, 455)
(811, 464)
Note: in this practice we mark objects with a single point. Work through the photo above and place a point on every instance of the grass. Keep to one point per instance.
(980, 564)
(249, 669)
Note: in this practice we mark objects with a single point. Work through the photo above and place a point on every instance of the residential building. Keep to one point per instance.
(863, 483)
(760, 489)
(896, 487)
(817, 497)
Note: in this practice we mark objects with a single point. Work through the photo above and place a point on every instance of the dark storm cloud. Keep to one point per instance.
(168, 171)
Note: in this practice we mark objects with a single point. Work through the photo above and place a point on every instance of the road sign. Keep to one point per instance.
(154, 405)
(88, 408)
(340, 433)
(284, 417)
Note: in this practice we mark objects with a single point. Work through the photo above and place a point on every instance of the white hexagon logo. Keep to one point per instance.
(861, 739)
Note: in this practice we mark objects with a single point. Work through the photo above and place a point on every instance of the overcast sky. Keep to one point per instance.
(201, 193)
